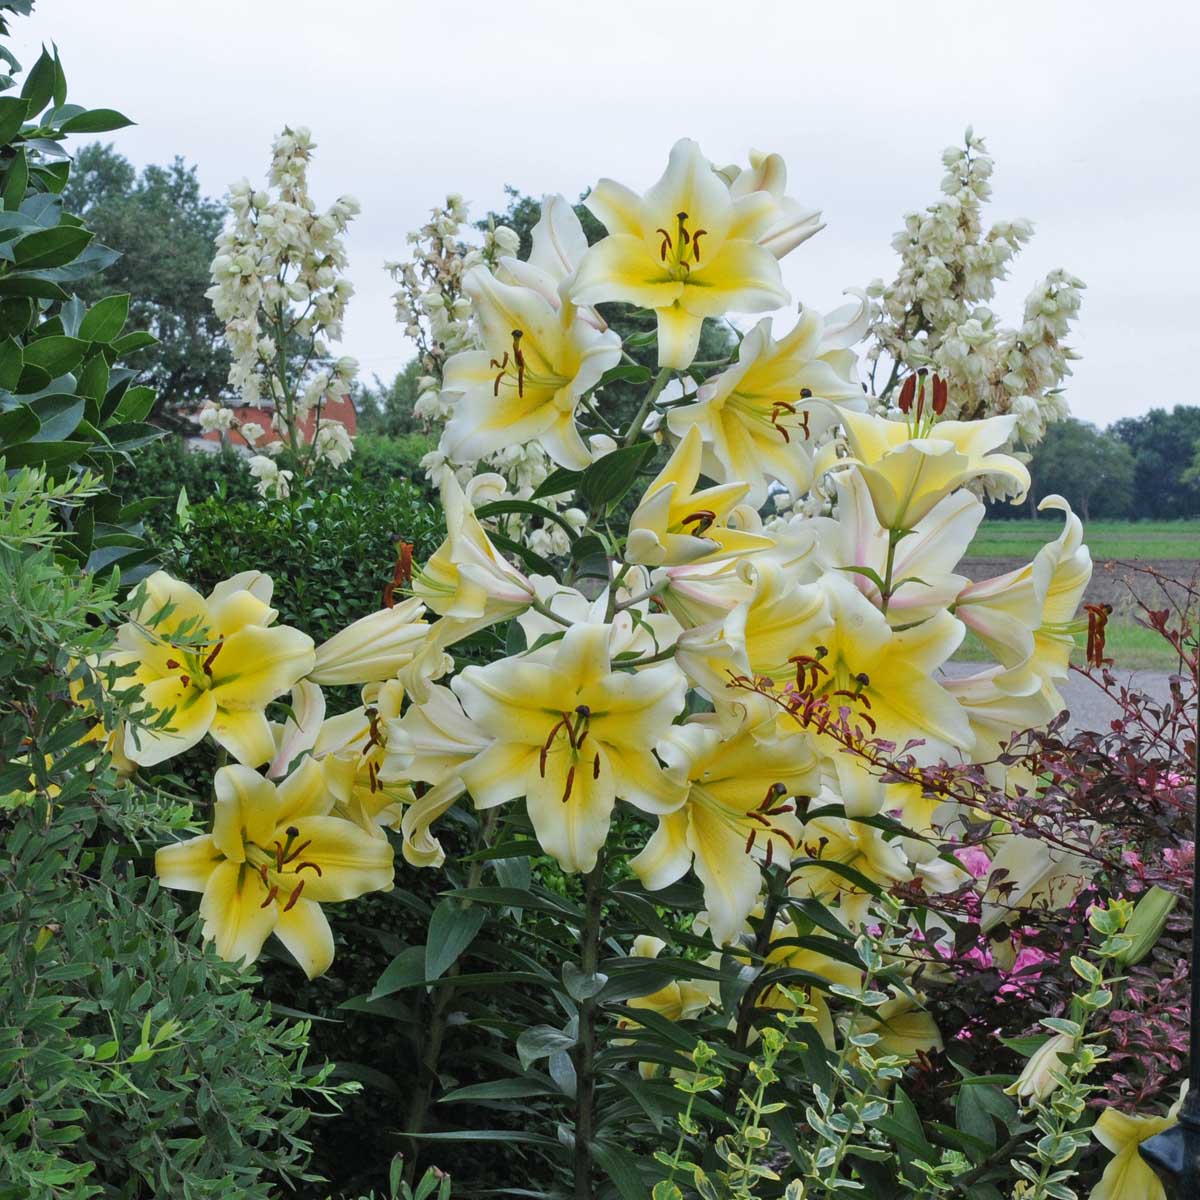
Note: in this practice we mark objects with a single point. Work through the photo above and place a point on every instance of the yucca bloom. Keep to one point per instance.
(850, 847)
(212, 662)
(571, 735)
(757, 417)
(673, 523)
(274, 856)
(910, 465)
(539, 357)
(687, 249)
(1128, 1176)
(740, 812)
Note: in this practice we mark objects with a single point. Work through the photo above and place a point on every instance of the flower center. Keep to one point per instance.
(574, 728)
(513, 371)
(922, 400)
(680, 251)
(279, 869)
(195, 663)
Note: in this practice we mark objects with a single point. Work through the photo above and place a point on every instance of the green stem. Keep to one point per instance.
(435, 1033)
(585, 1050)
(894, 536)
(749, 1001)
(635, 426)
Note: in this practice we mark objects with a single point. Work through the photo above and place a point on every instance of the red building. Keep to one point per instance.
(341, 410)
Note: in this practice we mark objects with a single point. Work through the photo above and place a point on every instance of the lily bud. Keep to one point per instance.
(374, 648)
(1036, 1081)
(1146, 925)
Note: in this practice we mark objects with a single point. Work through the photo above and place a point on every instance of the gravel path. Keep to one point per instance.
(1090, 707)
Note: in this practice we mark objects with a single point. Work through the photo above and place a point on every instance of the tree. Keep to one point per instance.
(388, 409)
(164, 228)
(1163, 445)
(1092, 469)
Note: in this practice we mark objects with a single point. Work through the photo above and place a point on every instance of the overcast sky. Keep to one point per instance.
(1090, 109)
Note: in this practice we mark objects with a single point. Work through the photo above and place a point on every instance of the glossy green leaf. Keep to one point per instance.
(96, 120)
(17, 425)
(51, 247)
(105, 319)
(452, 928)
(610, 477)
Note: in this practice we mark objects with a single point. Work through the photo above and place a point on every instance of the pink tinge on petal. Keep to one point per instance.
(974, 860)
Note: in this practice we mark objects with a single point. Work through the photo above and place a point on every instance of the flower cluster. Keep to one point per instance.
(279, 285)
(934, 313)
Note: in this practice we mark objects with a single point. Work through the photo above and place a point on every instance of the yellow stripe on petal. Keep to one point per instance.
(233, 915)
(245, 811)
(255, 665)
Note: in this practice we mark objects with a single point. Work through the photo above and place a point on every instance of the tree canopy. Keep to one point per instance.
(164, 228)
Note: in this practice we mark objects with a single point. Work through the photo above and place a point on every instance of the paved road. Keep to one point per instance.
(1090, 707)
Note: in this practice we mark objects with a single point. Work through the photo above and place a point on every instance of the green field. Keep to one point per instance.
(1106, 539)
(1132, 647)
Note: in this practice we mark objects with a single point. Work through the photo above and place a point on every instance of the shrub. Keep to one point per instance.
(137, 1065)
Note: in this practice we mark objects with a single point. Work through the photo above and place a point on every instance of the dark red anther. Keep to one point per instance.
(173, 664)
(208, 662)
(185, 680)
(665, 245)
(704, 519)
(402, 573)
(750, 840)
(1098, 615)
(519, 359)
(941, 393)
(270, 896)
(570, 783)
(908, 393)
(696, 243)
(596, 766)
(294, 896)
(770, 851)
(300, 867)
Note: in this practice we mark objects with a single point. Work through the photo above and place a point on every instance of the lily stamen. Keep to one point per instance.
(294, 896)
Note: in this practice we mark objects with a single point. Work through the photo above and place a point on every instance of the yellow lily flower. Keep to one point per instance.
(904, 1028)
(687, 249)
(373, 648)
(840, 647)
(1128, 1176)
(815, 961)
(353, 748)
(571, 735)
(539, 357)
(910, 465)
(214, 662)
(792, 223)
(923, 578)
(739, 812)
(674, 523)
(1026, 872)
(468, 580)
(851, 844)
(1026, 616)
(274, 856)
(430, 744)
(676, 1001)
(757, 417)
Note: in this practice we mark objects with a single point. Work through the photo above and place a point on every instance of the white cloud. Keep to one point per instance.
(1088, 107)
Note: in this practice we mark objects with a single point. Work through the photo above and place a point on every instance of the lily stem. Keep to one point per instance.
(635, 426)
(894, 536)
(776, 888)
(585, 1050)
(431, 1051)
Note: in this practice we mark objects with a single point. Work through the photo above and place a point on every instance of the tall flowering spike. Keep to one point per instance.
(539, 358)
(213, 662)
(761, 417)
(910, 465)
(273, 857)
(571, 735)
(740, 812)
(688, 249)
(673, 523)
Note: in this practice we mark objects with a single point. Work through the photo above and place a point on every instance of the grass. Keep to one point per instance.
(1132, 647)
(1106, 539)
